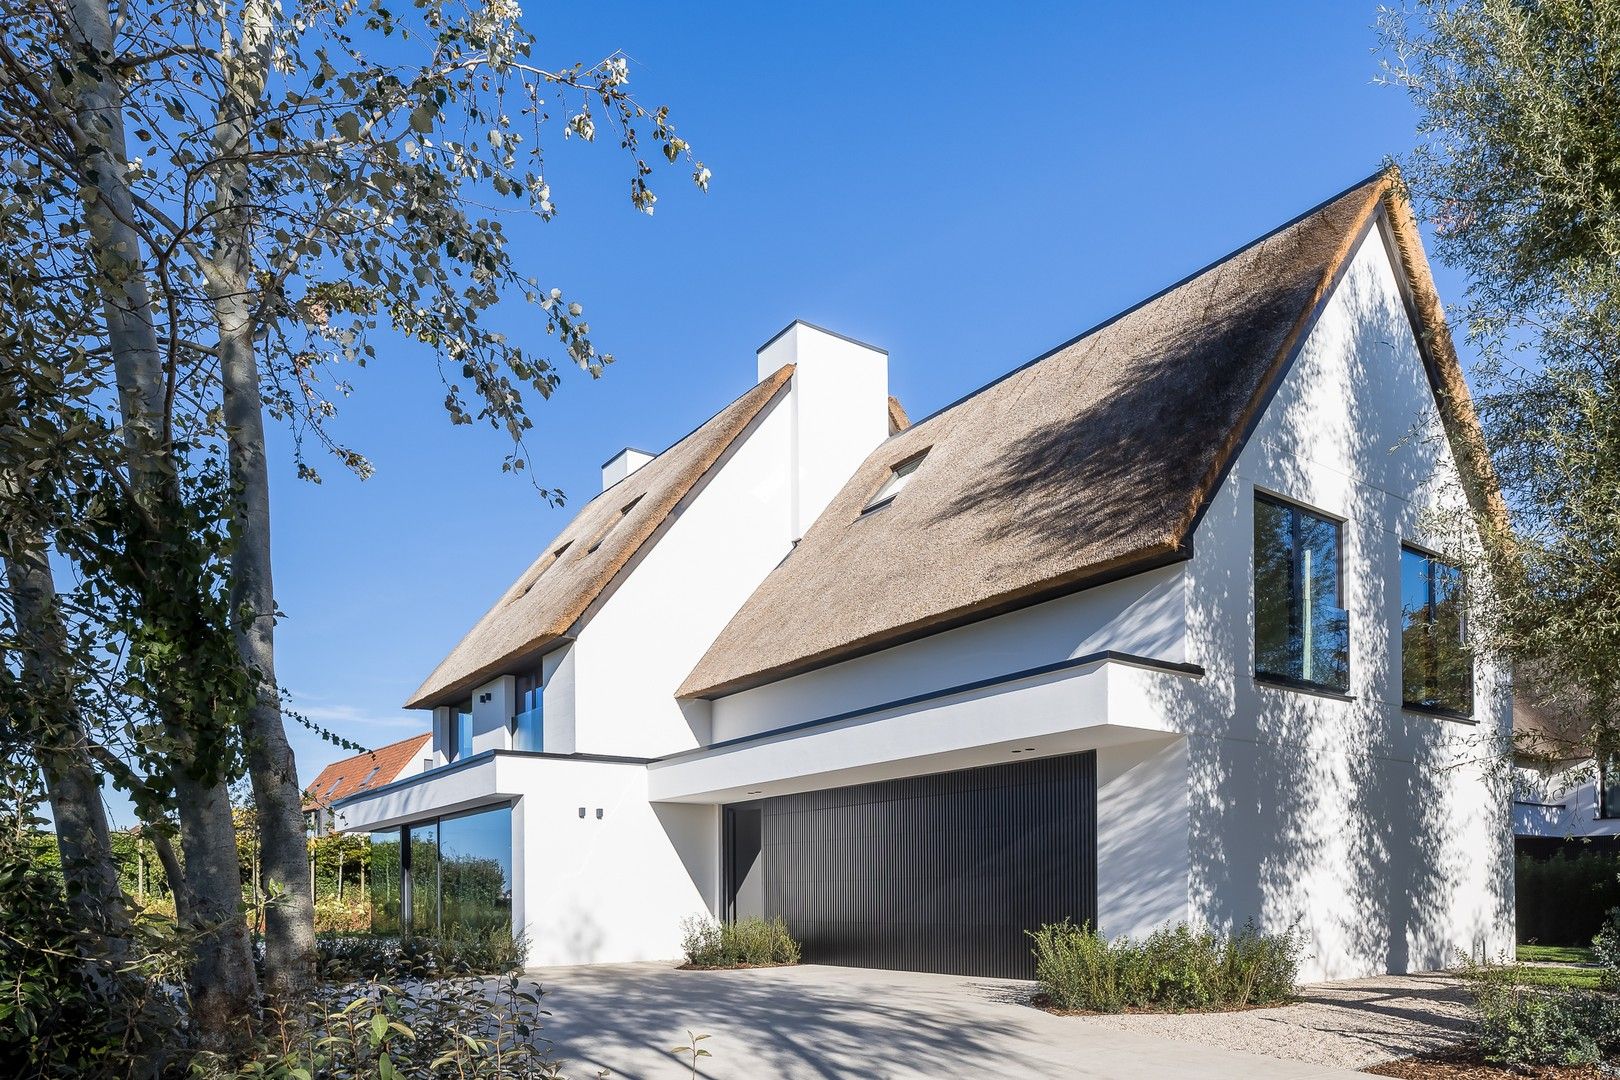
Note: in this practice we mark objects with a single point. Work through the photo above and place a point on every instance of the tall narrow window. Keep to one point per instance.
(1302, 634)
(458, 732)
(528, 721)
(1437, 667)
(1609, 787)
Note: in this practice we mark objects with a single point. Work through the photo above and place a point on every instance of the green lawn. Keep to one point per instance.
(1555, 954)
(1563, 978)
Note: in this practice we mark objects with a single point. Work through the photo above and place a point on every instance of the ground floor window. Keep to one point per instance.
(1609, 788)
(451, 871)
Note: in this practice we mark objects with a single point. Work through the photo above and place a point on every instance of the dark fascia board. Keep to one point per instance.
(1193, 670)
(822, 329)
(631, 450)
(479, 759)
(1082, 335)
(1130, 566)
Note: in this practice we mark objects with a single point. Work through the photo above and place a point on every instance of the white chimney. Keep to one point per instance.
(840, 402)
(622, 464)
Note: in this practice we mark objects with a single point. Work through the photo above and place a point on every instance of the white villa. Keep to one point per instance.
(1147, 630)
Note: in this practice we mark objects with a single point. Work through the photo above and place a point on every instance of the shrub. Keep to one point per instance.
(1606, 949)
(1173, 969)
(490, 950)
(342, 916)
(750, 942)
(1563, 900)
(1521, 1023)
(449, 1027)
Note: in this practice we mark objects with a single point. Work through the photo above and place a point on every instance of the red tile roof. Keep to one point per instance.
(343, 778)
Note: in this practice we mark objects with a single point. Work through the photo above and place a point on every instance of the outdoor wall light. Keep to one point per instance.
(598, 813)
(582, 811)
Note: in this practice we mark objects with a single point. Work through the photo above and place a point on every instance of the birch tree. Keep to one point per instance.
(266, 190)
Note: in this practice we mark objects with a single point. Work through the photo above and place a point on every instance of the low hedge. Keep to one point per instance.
(750, 942)
(1522, 1023)
(1170, 970)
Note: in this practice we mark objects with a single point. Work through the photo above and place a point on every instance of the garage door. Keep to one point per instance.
(930, 873)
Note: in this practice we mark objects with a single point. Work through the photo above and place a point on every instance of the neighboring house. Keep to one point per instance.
(1151, 629)
(361, 773)
(1562, 791)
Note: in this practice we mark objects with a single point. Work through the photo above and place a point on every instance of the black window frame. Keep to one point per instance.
(1433, 559)
(1285, 681)
(1606, 811)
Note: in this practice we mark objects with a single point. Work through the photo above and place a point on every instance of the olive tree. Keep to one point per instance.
(1517, 168)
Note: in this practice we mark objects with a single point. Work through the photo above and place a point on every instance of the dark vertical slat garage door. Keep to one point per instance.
(936, 873)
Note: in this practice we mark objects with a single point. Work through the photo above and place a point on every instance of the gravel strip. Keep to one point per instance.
(1346, 1024)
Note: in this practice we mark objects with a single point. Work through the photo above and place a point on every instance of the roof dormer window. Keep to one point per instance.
(899, 477)
(624, 511)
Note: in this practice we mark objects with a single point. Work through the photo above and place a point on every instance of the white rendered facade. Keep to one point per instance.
(1382, 834)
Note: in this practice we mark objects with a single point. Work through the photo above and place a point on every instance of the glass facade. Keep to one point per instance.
(475, 870)
(387, 899)
(1437, 667)
(1302, 634)
(1609, 787)
(448, 872)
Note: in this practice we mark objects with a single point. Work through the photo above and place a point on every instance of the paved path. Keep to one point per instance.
(819, 1022)
(1349, 1024)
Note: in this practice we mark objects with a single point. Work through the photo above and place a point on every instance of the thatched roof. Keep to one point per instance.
(573, 569)
(1092, 461)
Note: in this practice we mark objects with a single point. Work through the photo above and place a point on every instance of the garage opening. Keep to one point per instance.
(940, 873)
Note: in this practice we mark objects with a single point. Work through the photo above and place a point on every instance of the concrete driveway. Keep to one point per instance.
(815, 1022)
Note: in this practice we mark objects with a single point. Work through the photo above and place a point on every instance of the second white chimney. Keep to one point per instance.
(840, 401)
(622, 464)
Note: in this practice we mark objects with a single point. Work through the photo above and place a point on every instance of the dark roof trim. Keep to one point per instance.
(636, 450)
(1151, 662)
(479, 759)
(1048, 591)
(824, 330)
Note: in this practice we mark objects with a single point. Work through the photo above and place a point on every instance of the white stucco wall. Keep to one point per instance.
(636, 648)
(1142, 615)
(1382, 834)
(585, 888)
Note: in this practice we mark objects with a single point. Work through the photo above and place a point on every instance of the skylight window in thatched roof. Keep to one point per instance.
(624, 512)
(899, 477)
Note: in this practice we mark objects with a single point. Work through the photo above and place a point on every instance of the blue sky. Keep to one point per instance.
(965, 186)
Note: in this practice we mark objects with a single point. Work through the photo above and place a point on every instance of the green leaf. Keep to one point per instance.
(348, 126)
(422, 118)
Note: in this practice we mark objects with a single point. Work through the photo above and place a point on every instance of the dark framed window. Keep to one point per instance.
(528, 716)
(1437, 666)
(1609, 787)
(1302, 633)
(451, 871)
(458, 733)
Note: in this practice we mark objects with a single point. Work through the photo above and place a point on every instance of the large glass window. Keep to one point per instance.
(424, 873)
(475, 870)
(528, 722)
(386, 897)
(448, 873)
(1437, 667)
(1302, 634)
(1609, 787)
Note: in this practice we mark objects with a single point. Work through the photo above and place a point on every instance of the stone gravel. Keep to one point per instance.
(1350, 1025)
